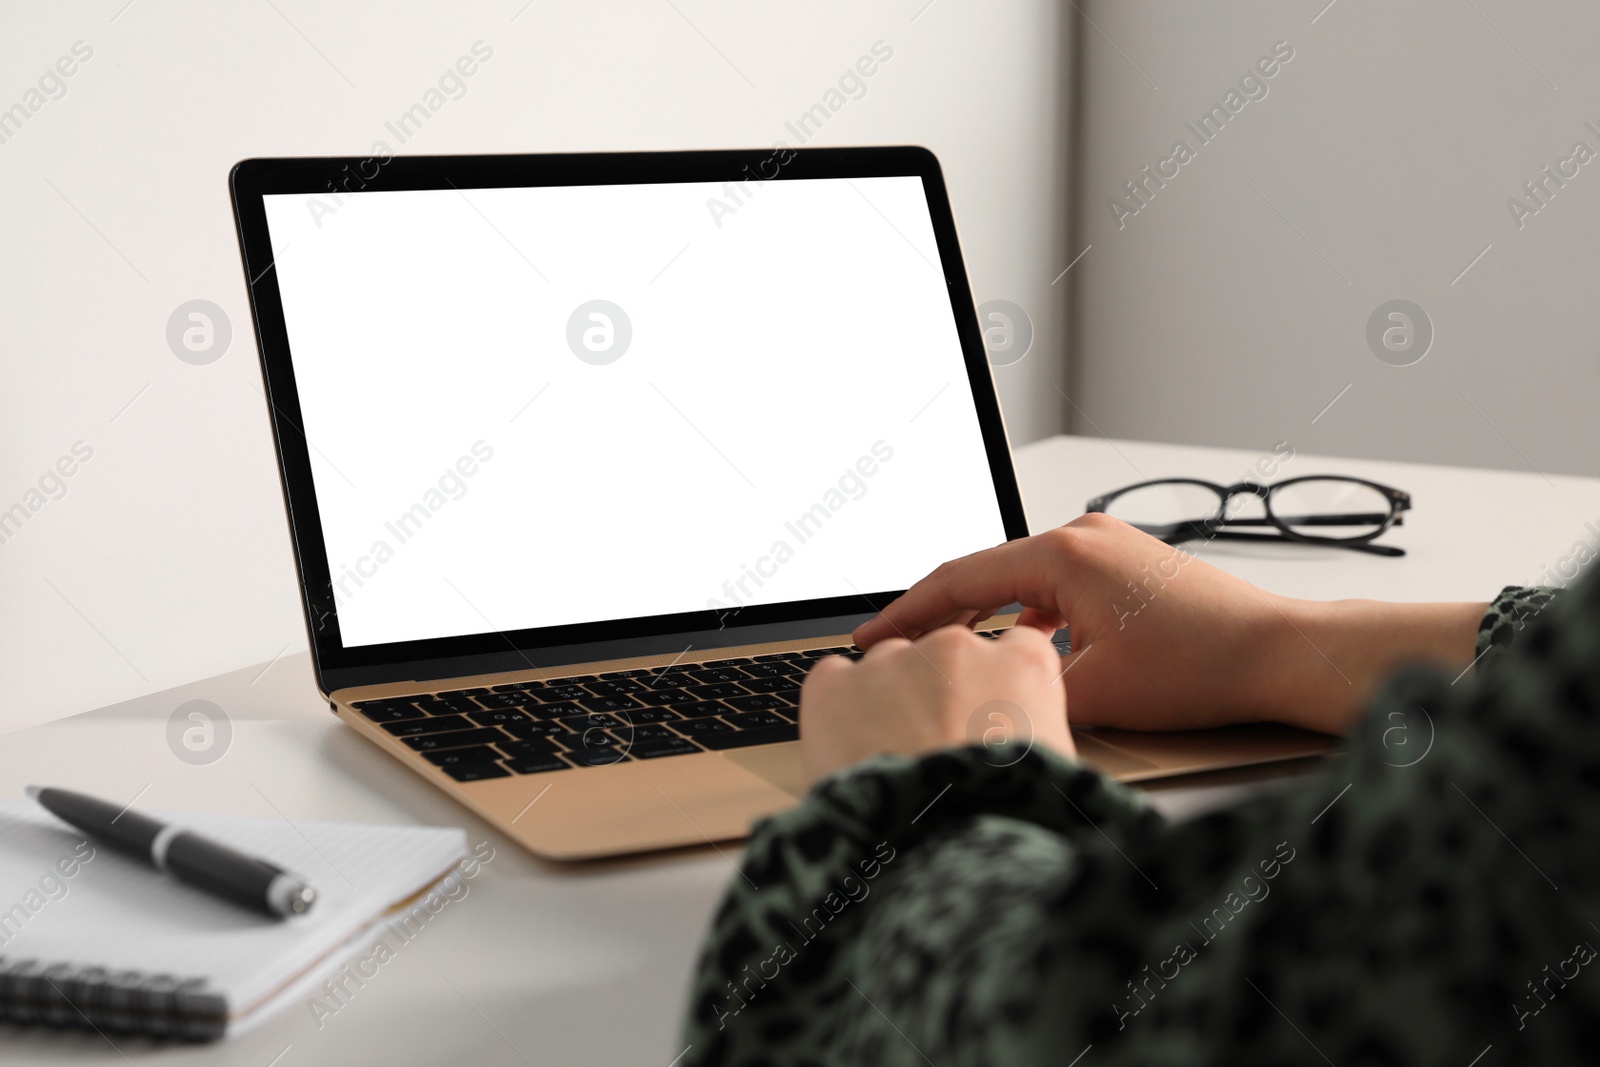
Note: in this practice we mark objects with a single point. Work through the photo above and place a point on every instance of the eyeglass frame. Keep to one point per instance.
(1211, 529)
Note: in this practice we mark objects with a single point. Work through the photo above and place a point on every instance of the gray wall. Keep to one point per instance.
(1233, 308)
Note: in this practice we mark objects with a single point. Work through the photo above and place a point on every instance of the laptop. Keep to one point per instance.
(588, 458)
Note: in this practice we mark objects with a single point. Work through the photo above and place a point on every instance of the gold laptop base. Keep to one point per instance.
(707, 797)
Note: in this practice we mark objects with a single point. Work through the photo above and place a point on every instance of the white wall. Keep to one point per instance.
(167, 558)
(1232, 309)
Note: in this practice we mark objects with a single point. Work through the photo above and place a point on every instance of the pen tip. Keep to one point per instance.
(301, 902)
(33, 792)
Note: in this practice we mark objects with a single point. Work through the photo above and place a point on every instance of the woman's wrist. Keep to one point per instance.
(1322, 661)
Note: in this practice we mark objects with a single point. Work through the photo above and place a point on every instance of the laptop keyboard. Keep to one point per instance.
(593, 720)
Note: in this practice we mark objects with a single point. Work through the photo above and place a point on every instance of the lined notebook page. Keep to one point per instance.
(117, 913)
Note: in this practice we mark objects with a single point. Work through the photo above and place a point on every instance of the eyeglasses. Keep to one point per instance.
(1319, 509)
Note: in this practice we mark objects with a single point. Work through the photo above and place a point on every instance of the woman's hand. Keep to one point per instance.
(1162, 640)
(949, 687)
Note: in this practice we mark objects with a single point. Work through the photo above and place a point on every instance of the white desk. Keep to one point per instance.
(588, 965)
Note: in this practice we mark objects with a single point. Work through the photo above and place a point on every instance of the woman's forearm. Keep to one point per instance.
(1326, 658)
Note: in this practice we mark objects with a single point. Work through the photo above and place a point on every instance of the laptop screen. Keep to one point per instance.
(533, 407)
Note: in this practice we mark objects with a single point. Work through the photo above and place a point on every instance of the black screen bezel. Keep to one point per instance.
(336, 665)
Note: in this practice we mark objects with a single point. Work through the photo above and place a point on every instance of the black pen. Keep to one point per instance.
(204, 864)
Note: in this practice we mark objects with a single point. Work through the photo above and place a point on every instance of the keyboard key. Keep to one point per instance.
(776, 657)
(718, 691)
(465, 692)
(662, 697)
(456, 739)
(646, 715)
(499, 717)
(669, 678)
(532, 729)
(383, 704)
(619, 687)
(505, 700)
(564, 691)
(447, 705)
(838, 650)
(616, 703)
(592, 737)
(646, 732)
(476, 772)
(700, 709)
(701, 728)
(774, 670)
(553, 711)
(726, 662)
(759, 702)
(538, 764)
(719, 674)
(772, 685)
(514, 687)
(539, 746)
(748, 720)
(413, 727)
(613, 675)
(389, 712)
(455, 757)
(593, 721)
(596, 757)
(657, 749)
(742, 738)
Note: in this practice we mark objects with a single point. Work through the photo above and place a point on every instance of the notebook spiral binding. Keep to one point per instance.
(123, 1002)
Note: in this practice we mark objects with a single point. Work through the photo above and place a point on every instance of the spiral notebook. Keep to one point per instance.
(90, 938)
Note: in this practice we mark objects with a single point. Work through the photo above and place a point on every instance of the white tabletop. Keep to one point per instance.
(554, 965)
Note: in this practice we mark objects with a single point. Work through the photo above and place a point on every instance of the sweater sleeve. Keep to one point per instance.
(785, 946)
(1429, 894)
(1424, 896)
(1509, 614)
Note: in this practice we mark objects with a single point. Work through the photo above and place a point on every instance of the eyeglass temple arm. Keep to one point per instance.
(1369, 518)
(1234, 535)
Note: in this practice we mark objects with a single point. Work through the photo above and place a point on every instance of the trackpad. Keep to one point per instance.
(778, 764)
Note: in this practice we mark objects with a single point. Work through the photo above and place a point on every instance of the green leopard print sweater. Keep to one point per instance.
(1431, 897)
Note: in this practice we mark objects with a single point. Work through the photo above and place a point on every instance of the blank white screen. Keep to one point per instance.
(783, 344)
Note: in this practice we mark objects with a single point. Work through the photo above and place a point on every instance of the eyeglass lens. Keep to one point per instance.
(1332, 508)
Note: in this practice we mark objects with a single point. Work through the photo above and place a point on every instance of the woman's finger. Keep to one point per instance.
(1041, 619)
(1022, 570)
